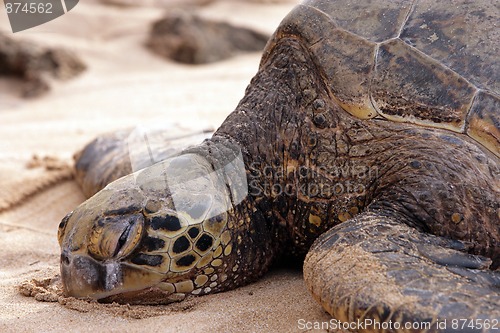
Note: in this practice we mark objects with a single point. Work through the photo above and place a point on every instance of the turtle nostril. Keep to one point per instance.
(65, 258)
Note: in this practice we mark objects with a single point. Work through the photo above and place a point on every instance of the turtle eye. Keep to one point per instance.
(122, 241)
(115, 236)
(62, 228)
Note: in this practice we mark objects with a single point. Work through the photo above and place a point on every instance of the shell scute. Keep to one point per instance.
(463, 36)
(484, 121)
(375, 20)
(409, 86)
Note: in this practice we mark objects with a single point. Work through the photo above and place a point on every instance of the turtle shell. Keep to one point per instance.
(425, 62)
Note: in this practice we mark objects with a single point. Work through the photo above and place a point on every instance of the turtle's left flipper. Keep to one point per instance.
(377, 268)
(116, 154)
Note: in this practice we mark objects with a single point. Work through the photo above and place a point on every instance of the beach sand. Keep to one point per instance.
(125, 85)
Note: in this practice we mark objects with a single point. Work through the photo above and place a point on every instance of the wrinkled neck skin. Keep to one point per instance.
(295, 139)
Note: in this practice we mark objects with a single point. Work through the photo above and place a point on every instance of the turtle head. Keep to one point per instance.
(150, 237)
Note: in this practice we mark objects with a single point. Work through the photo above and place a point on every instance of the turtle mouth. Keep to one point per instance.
(84, 277)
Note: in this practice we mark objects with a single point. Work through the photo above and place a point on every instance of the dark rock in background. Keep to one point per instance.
(35, 64)
(191, 39)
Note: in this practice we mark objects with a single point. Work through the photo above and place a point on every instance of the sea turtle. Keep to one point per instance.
(367, 143)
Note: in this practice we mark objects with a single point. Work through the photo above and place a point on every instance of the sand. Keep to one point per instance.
(124, 86)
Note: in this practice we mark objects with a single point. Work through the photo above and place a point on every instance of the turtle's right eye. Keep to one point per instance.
(115, 236)
(122, 241)
(62, 228)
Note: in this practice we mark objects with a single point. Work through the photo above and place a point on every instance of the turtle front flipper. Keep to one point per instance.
(116, 154)
(384, 275)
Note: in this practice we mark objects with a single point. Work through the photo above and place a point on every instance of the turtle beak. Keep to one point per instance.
(83, 276)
